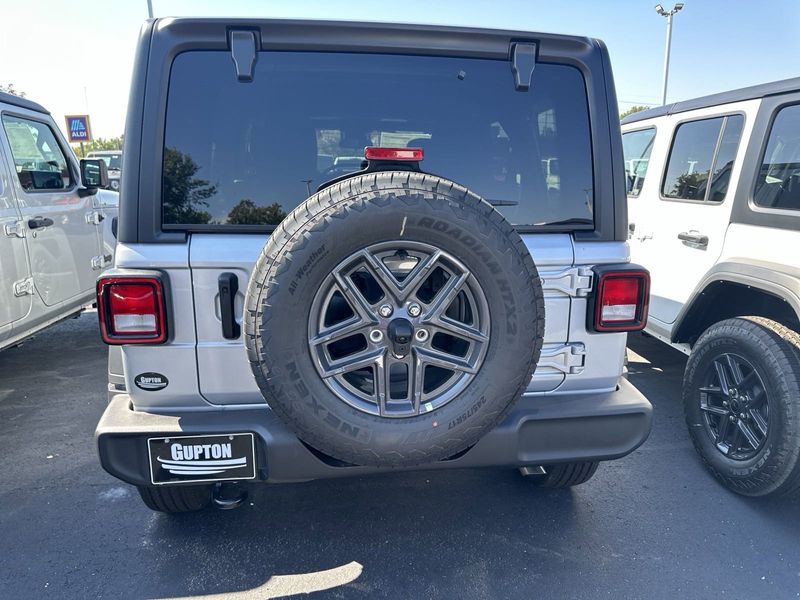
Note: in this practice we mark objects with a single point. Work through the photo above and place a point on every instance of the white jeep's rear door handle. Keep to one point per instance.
(693, 238)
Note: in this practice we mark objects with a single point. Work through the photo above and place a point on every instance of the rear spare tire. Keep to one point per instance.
(393, 319)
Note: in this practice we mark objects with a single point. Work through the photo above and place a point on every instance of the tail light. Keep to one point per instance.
(132, 310)
(621, 299)
(401, 154)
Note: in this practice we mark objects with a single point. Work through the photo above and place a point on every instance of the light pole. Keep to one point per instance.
(667, 13)
(149, 9)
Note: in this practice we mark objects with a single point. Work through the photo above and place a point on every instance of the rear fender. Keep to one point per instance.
(778, 280)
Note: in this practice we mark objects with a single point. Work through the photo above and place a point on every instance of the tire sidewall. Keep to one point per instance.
(292, 384)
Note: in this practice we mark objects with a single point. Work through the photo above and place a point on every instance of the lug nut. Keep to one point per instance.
(376, 335)
(385, 310)
(733, 419)
(414, 310)
(421, 335)
(742, 416)
(724, 403)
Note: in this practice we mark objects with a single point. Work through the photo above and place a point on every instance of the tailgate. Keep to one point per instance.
(224, 372)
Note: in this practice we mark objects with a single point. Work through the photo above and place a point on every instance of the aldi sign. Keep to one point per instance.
(78, 128)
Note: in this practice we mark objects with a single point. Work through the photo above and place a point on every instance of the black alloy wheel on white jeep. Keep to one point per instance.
(393, 319)
(741, 398)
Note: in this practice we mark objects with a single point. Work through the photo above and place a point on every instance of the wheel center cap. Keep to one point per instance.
(400, 333)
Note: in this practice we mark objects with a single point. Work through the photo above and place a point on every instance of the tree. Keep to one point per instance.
(114, 143)
(9, 88)
(247, 213)
(185, 194)
(631, 110)
(690, 186)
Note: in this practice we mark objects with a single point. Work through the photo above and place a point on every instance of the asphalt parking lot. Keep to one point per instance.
(653, 525)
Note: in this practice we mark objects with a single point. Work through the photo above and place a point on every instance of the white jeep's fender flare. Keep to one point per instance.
(779, 280)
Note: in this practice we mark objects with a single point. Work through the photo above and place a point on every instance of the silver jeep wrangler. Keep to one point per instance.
(344, 249)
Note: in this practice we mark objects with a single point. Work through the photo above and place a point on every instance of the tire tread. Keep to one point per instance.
(566, 475)
(352, 195)
(176, 499)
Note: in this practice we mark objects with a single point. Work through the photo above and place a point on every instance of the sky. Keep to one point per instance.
(76, 56)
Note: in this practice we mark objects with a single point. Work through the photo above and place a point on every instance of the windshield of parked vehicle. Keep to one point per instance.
(113, 161)
(248, 153)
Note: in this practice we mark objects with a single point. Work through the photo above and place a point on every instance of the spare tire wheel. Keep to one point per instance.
(393, 319)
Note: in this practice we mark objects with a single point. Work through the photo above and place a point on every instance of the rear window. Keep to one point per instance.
(778, 182)
(248, 153)
(636, 147)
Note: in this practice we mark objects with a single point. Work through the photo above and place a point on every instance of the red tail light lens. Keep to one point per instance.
(402, 154)
(131, 310)
(621, 300)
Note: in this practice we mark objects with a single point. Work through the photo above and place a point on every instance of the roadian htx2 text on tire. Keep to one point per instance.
(448, 320)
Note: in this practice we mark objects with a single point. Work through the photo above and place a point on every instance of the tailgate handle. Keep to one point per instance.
(228, 286)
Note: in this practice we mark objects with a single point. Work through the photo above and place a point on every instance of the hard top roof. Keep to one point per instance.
(22, 103)
(773, 88)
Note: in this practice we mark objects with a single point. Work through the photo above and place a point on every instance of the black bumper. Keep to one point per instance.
(540, 430)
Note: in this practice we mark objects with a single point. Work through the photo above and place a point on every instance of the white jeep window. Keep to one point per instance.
(701, 159)
(778, 181)
(38, 160)
(636, 147)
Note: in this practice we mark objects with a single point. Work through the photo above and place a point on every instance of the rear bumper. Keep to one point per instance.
(540, 430)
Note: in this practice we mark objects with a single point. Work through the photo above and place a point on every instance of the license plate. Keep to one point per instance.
(201, 458)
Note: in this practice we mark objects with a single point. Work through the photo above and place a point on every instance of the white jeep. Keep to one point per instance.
(714, 205)
(56, 223)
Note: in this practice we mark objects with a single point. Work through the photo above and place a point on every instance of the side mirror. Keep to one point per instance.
(94, 173)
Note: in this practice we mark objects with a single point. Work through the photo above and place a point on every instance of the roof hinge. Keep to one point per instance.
(94, 217)
(574, 281)
(101, 261)
(568, 359)
(244, 52)
(523, 61)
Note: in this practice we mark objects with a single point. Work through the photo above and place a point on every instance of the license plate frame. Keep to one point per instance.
(201, 458)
